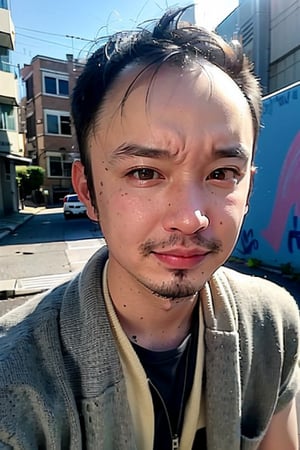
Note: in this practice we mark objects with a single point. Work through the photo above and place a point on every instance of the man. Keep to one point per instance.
(155, 345)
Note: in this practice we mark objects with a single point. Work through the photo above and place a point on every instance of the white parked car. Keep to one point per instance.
(73, 206)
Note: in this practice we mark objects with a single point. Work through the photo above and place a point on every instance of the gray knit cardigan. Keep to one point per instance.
(62, 386)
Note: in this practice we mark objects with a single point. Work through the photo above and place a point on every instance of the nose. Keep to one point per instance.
(183, 213)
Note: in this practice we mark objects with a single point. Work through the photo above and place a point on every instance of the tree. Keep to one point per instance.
(29, 179)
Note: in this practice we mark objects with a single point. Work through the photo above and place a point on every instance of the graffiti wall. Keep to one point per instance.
(271, 231)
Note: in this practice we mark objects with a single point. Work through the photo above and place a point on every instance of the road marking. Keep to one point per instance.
(44, 281)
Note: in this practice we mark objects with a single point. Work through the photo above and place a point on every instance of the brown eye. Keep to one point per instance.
(218, 174)
(144, 174)
(224, 174)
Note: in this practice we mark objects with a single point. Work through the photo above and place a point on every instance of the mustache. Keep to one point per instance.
(212, 245)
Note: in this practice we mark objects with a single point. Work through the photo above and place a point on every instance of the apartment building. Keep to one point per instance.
(50, 140)
(269, 30)
(11, 141)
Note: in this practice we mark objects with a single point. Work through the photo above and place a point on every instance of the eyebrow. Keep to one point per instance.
(233, 152)
(130, 150)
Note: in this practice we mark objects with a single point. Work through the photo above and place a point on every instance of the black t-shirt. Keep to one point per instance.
(170, 375)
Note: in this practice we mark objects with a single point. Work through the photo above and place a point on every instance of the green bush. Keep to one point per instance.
(29, 178)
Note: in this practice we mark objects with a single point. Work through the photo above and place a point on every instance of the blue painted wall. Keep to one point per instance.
(271, 231)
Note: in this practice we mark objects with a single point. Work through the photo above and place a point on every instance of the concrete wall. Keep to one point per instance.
(271, 232)
(285, 20)
(269, 30)
(285, 43)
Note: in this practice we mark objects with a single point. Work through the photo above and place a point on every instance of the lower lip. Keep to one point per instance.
(180, 262)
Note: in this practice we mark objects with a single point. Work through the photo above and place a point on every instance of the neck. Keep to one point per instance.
(148, 320)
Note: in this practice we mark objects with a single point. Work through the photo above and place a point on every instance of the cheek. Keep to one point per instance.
(122, 212)
(228, 212)
(233, 215)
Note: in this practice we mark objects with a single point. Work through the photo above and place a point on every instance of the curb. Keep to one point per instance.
(32, 285)
(11, 228)
(9, 289)
(4, 233)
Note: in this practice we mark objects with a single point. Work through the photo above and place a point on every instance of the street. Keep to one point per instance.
(48, 245)
(45, 251)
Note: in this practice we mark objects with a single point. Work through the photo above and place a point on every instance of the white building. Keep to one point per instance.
(11, 141)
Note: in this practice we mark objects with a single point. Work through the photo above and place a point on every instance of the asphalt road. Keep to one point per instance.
(47, 244)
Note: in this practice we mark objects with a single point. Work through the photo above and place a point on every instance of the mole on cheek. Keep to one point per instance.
(221, 223)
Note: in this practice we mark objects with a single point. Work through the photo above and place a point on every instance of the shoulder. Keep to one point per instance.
(26, 332)
(268, 326)
(267, 315)
(256, 295)
(31, 372)
(32, 331)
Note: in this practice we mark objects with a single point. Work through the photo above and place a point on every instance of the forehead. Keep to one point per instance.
(155, 98)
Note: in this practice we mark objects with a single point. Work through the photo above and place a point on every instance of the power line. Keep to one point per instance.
(46, 41)
(56, 34)
(80, 38)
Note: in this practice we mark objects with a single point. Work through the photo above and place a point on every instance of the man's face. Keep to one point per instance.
(178, 150)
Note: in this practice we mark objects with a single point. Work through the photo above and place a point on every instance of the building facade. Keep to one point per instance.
(50, 140)
(269, 30)
(11, 140)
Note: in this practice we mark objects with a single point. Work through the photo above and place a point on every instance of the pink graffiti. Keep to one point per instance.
(287, 196)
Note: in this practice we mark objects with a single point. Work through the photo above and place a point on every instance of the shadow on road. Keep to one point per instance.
(50, 226)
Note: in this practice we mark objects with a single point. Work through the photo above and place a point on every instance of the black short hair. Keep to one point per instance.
(170, 40)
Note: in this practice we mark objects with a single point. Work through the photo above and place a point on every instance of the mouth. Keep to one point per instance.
(181, 258)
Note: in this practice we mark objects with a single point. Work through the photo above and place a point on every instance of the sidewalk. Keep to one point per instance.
(272, 274)
(10, 223)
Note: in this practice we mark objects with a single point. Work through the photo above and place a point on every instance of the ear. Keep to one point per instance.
(80, 184)
(252, 173)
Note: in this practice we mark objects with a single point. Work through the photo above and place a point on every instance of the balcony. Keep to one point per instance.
(7, 30)
(10, 142)
(8, 88)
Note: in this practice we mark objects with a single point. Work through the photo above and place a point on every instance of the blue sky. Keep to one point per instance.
(41, 26)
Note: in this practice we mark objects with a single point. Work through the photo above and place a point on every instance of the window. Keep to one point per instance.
(5, 65)
(63, 87)
(58, 122)
(30, 126)
(29, 88)
(58, 167)
(56, 85)
(7, 118)
(4, 4)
